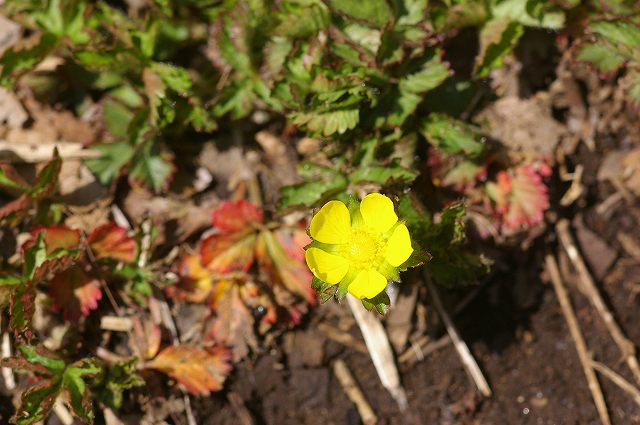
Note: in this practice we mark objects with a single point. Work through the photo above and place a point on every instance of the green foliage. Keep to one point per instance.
(56, 377)
(118, 377)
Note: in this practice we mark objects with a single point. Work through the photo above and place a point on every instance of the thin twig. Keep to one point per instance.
(625, 385)
(350, 387)
(589, 287)
(461, 347)
(342, 338)
(422, 348)
(375, 337)
(578, 339)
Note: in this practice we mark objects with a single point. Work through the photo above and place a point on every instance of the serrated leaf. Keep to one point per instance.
(287, 269)
(119, 377)
(228, 253)
(235, 216)
(112, 241)
(498, 38)
(199, 370)
(451, 135)
(311, 192)
(75, 293)
(393, 172)
(152, 167)
(622, 33)
(37, 402)
(47, 178)
(521, 198)
(298, 20)
(432, 74)
(374, 12)
(602, 57)
(114, 156)
(73, 382)
(533, 13)
(328, 122)
(38, 355)
(233, 325)
(17, 60)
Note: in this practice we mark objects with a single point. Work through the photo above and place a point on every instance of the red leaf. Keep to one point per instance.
(520, 198)
(56, 237)
(199, 370)
(14, 211)
(75, 293)
(228, 253)
(231, 217)
(112, 241)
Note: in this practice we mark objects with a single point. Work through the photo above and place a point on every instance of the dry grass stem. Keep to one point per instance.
(625, 385)
(461, 347)
(589, 288)
(375, 337)
(578, 339)
(351, 389)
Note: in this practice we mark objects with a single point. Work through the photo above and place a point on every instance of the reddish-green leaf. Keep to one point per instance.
(47, 178)
(195, 283)
(56, 237)
(228, 253)
(231, 217)
(112, 241)
(199, 370)
(287, 270)
(75, 293)
(233, 325)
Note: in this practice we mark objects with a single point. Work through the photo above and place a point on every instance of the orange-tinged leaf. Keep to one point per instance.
(112, 241)
(228, 253)
(56, 237)
(75, 293)
(195, 282)
(233, 324)
(231, 217)
(287, 270)
(199, 370)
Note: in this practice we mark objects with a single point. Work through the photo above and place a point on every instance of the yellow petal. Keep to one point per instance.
(399, 246)
(367, 284)
(327, 267)
(378, 213)
(332, 224)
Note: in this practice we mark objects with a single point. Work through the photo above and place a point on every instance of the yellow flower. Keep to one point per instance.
(359, 247)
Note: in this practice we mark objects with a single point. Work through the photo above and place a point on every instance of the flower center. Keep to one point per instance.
(364, 249)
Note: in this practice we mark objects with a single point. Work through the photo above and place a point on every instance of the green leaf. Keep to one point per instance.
(118, 378)
(152, 167)
(34, 256)
(498, 38)
(11, 181)
(15, 61)
(432, 74)
(37, 402)
(632, 82)
(8, 280)
(117, 118)
(37, 356)
(73, 381)
(114, 157)
(174, 77)
(312, 192)
(47, 178)
(621, 33)
(532, 13)
(374, 12)
(602, 57)
(301, 20)
(329, 122)
(451, 135)
(393, 172)
(381, 303)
